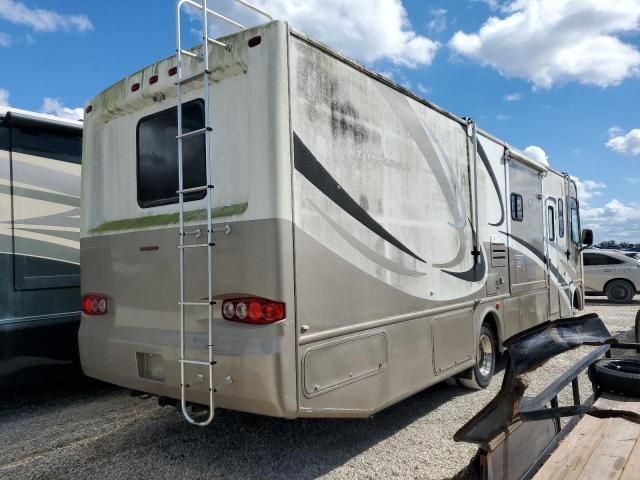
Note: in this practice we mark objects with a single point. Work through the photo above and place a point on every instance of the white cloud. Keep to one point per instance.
(621, 142)
(552, 41)
(615, 220)
(53, 106)
(513, 97)
(538, 154)
(42, 20)
(362, 29)
(632, 180)
(5, 40)
(4, 97)
(501, 117)
(588, 190)
(492, 4)
(438, 22)
(424, 90)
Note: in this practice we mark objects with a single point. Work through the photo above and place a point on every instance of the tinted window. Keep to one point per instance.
(561, 218)
(551, 224)
(575, 221)
(34, 141)
(47, 261)
(596, 259)
(4, 138)
(158, 155)
(517, 211)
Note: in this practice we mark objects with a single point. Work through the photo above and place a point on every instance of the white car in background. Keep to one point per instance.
(612, 272)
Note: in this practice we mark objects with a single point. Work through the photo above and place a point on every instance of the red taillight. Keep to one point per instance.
(135, 87)
(253, 310)
(93, 304)
(173, 71)
(153, 79)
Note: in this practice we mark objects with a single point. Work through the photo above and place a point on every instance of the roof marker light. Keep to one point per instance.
(88, 109)
(135, 87)
(173, 71)
(255, 41)
(153, 79)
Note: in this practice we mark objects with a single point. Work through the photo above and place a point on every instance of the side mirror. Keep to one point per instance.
(587, 236)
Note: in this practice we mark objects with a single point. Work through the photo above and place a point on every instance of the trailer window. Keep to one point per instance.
(560, 218)
(40, 143)
(517, 210)
(551, 223)
(157, 155)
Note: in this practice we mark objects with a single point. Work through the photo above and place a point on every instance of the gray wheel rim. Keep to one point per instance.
(486, 354)
(619, 292)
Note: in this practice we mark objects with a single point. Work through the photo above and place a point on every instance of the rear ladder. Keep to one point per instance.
(203, 58)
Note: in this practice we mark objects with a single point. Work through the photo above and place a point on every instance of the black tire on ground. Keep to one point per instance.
(480, 375)
(620, 291)
(621, 376)
(638, 327)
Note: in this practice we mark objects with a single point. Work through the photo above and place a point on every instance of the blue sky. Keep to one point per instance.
(563, 75)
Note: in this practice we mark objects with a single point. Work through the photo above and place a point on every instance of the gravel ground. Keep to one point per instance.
(91, 430)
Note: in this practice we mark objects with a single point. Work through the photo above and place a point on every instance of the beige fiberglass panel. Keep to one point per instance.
(250, 140)
(380, 179)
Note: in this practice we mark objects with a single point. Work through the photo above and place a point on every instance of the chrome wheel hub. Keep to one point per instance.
(485, 357)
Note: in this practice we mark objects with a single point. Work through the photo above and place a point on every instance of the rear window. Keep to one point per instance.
(157, 155)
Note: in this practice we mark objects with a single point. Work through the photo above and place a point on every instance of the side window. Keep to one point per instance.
(46, 164)
(551, 223)
(575, 221)
(517, 209)
(614, 261)
(157, 155)
(560, 218)
(594, 259)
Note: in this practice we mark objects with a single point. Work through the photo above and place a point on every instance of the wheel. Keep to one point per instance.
(618, 376)
(480, 375)
(620, 291)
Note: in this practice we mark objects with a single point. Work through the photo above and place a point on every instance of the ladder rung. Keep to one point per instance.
(198, 245)
(227, 46)
(196, 304)
(195, 189)
(191, 78)
(195, 362)
(193, 133)
(190, 54)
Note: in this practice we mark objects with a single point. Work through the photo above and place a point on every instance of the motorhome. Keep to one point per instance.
(269, 227)
(40, 162)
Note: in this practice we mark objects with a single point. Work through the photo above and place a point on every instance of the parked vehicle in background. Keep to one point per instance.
(40, 162)
(613, 273)
(368, 243)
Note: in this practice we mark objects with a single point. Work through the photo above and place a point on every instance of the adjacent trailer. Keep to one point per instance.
(365, 243)
(40, 162)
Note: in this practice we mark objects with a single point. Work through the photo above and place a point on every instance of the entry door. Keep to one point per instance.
(551, 247)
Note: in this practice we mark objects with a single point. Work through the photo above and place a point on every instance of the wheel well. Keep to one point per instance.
(492, 322)
(625, 280)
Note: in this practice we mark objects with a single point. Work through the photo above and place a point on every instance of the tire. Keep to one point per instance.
(619, 376)
(480, 375)
(638, 327)
(620, 291)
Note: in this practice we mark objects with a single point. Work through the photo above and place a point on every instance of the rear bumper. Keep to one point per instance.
(38, 348)
(146, 359)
